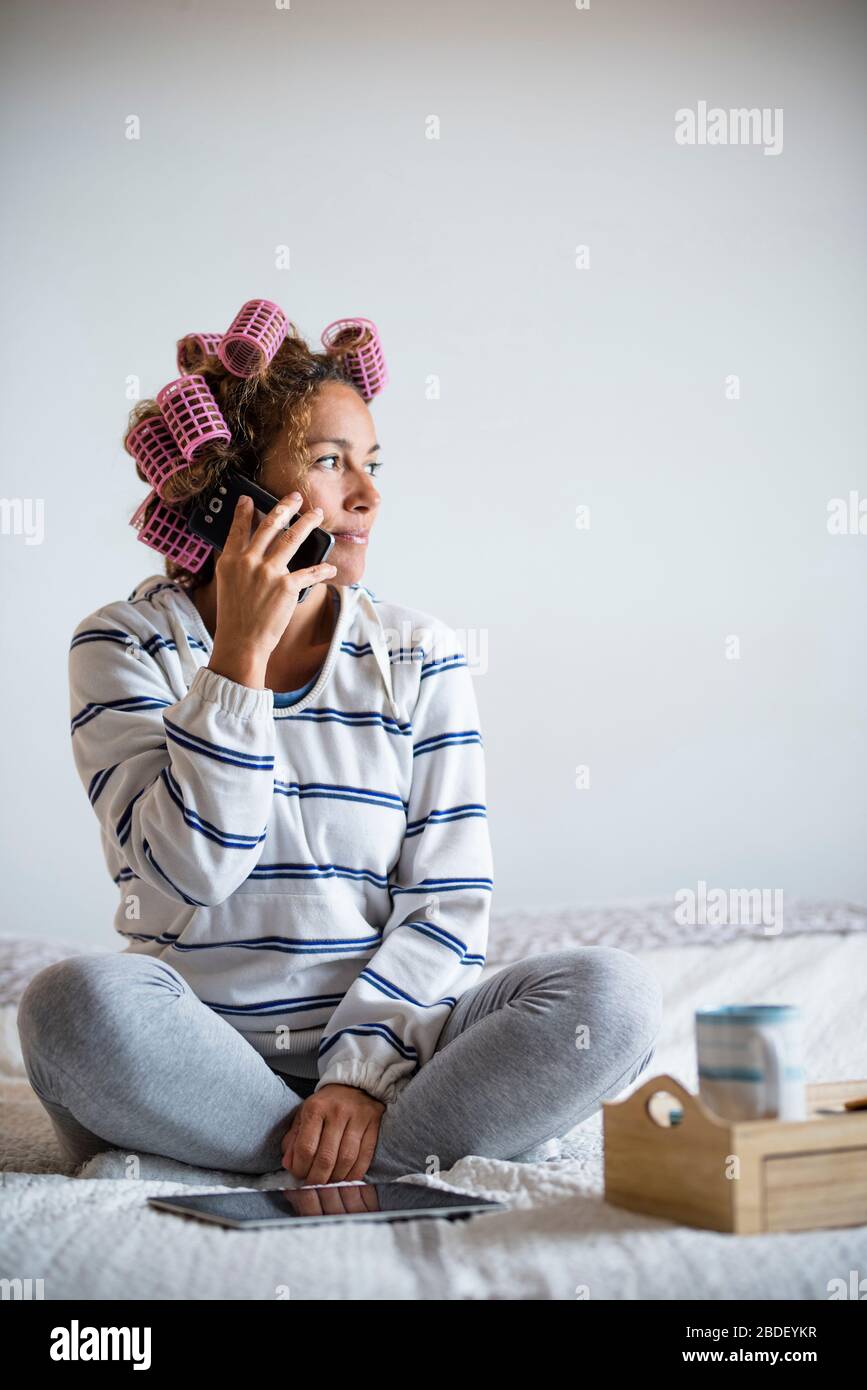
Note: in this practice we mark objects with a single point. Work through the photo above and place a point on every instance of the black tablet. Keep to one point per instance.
(387, 1201)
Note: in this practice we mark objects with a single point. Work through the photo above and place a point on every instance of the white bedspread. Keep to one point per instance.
(92, 1236)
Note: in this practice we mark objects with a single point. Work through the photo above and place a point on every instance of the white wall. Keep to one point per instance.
(605, 386)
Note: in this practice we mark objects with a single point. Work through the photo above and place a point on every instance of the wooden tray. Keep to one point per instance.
(792, 1175)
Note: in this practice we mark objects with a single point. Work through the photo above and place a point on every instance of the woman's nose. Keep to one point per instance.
(364, 495)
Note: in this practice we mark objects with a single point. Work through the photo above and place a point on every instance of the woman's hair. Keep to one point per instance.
(258, 409)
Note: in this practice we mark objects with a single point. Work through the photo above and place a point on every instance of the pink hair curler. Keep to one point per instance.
(253, 337)
(154, 449)
(361, 353)
(192, 414)
(195, 349)
(165, 530)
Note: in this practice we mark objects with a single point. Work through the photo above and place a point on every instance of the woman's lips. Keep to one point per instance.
(354, 537)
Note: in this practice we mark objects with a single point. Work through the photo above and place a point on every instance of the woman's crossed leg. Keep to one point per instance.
(123, 1054)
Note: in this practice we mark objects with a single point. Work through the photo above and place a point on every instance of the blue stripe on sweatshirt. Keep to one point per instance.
(124, 825)
(445, 885)
(98, 781)
(448, 739)
(231, 839)
(102, 634)
(388, 987)
(446, 663)
(158, 642)
(297, 1005)
(162, 938)
(193, 902)
(112, 634)
(129, 704)
(354, 719)
(444, 938)
(157, 589)
(291, 945)
(448, 813)
(257, 762)
(335, 791)
(381, 1030)
(396, 657)
(314, 872)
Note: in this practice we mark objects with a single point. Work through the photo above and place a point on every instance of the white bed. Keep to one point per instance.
(91, 1235)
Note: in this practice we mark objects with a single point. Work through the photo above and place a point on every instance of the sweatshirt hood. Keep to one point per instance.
(357, 602)
(378, 640)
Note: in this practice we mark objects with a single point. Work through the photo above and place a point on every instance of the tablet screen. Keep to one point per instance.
(384, 1201)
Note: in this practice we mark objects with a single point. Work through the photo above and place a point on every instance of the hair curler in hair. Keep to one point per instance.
(356, 342)
(165, 530)
(155, 450)
(253, 336)
(195, 349)
(192, 414)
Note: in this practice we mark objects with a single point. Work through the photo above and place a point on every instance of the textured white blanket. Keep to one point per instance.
(92, 1235)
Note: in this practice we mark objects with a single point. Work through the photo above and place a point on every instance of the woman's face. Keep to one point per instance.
(343, 454)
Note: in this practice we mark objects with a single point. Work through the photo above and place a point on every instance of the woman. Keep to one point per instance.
(292, 802)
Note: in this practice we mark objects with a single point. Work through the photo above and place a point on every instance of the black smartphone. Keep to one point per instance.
(210, 517)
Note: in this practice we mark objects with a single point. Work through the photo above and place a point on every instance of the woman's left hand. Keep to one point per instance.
(333, 1135)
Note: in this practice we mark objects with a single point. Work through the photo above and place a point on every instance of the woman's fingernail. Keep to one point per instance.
(317, 511)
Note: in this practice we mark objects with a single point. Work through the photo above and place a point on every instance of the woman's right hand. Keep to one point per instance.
(256, 593)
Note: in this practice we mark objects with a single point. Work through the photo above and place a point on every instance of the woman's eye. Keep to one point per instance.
(334, 459)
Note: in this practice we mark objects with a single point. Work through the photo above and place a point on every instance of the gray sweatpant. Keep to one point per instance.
(122, 1054)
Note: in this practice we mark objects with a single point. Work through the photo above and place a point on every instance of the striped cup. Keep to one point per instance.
(750, 1062)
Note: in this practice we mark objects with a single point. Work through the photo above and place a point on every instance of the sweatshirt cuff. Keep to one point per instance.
(243, 701)
(366, 1076)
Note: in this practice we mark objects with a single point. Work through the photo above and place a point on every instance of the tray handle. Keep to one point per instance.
(691, 1104)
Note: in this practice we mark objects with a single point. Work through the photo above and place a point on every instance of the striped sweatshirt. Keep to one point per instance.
(320, 874)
